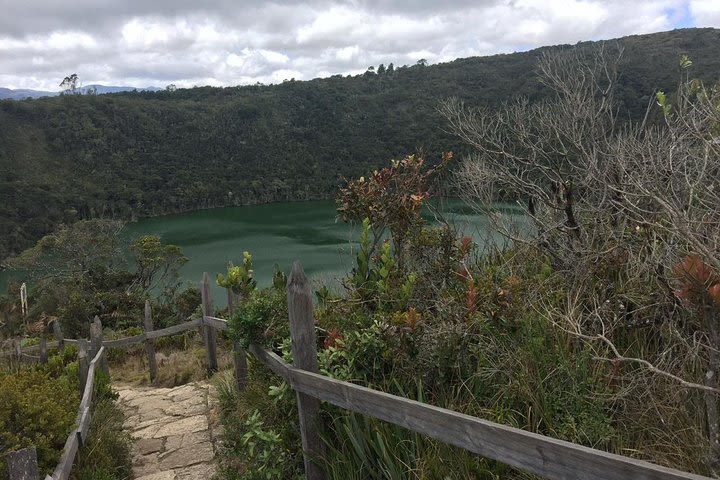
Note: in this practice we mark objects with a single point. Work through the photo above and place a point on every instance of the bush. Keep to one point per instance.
(262, 438)
(106, 453)
(36, 410)
(261, 319)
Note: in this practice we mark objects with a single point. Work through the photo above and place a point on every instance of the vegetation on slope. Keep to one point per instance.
(38, 405)
(136, 154)
(598, 326)
(83, 270)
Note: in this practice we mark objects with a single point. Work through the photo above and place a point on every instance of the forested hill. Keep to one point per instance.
(134, 154)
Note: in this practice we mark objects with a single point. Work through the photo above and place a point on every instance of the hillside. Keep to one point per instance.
(135, 154)
(24, 93)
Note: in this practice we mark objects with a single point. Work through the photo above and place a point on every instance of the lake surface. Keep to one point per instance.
(277, 233)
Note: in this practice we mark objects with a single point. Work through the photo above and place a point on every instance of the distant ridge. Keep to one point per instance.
(23, 93)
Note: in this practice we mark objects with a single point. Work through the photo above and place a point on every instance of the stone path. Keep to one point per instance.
(174, 430)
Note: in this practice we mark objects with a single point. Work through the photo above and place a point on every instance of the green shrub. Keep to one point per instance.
(106, 452)
(261, 319)
(262, 438)
(36, 410)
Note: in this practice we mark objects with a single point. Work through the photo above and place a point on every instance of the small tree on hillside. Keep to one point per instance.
(69, 84)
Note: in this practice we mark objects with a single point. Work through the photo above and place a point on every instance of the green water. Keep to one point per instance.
(276, 233)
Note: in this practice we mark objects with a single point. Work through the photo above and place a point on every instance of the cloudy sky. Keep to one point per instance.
(231, 42)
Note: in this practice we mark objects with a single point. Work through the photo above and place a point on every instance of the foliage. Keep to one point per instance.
(391, 198)
(623, 214)
(267, 458)
(699, 283)
(239, 277)
(38, 406)
(81, 271)
(363, 277)
(261, 436)
(279, 279)
(261, 318)
(69, 84)
(155, 261)
(363, 448)
(76, 249)
(36, 410)
(106, 453)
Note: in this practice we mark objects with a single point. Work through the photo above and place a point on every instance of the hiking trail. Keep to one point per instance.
(175, 431)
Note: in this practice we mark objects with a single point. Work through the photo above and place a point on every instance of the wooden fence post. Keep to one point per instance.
(208, 331)
(304, 351)
(232, 300)
(17, 349)
(43, 351)
(57, 333)
(22, 464)
(239, 355)
(150, 343)
(96, 343)
(83, 363)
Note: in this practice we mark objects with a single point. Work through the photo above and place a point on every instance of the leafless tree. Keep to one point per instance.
(628, 212)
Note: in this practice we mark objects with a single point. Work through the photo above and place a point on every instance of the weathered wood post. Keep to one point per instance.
(208, 330)
(18, 350)
(43, 351)
(239, 355)
(57, 333)
(83, 363)
(304, 351)
(150, 343)
(96, 343)
(233, 299)
(22, 464)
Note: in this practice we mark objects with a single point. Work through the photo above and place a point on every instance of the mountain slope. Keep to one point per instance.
(24, 93)
(143, 153)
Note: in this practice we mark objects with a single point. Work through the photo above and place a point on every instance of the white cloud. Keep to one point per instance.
(705, 13)
(344, 54)
(60, 40)
(140, 42)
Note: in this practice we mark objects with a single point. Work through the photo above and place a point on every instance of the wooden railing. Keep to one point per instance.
(22, 464)
(545, 456)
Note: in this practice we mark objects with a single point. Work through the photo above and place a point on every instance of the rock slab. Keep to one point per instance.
(174, 431)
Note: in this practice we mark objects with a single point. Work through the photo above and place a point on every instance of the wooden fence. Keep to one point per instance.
(545, 456)
(22, 464)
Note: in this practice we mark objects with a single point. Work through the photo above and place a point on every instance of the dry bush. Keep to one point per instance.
(629, 215)
(176, 366)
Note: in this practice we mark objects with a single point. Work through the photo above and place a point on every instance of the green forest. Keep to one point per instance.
(129, 155)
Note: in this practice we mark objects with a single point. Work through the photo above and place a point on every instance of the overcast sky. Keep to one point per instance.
(231, 42)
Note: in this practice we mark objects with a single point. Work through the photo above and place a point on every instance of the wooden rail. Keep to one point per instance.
(545, 456)
(77, 437)
(22, 464)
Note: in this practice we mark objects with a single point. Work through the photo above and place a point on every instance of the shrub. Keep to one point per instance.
(262, 438)
(36, 410)
(106, 453)
(261, 319)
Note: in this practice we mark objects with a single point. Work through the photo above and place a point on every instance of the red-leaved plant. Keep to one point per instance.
(699, 283)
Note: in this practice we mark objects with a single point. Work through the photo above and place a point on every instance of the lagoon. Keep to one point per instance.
(278, 233)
